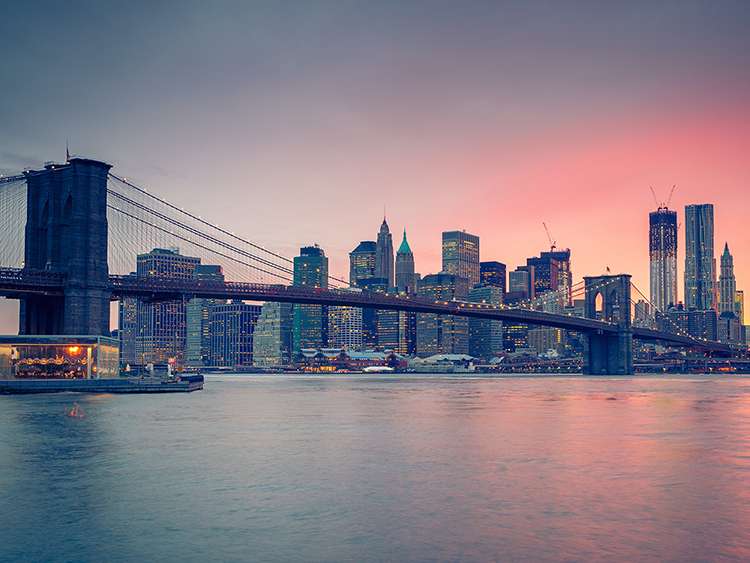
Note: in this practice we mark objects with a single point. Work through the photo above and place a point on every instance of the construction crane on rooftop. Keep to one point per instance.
(663, 205)
(552, 243)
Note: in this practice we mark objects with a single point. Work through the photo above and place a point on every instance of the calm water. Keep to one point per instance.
(375, 469)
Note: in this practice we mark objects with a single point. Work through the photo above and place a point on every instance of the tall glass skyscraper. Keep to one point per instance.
(384, 255)
(700, 264)
(310, 323)
(662, 248)
(461, 255)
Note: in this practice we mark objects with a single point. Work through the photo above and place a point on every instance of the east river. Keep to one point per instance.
(272, 468)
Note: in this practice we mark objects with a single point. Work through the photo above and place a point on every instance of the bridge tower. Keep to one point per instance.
(608, 299)
(66, 232)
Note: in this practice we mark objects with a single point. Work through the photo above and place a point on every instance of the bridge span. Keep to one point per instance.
(65, 280)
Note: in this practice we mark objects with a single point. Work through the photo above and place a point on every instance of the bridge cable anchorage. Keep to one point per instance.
(194, 217)
(154, 226)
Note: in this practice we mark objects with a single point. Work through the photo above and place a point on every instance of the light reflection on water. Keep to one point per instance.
(362, 468)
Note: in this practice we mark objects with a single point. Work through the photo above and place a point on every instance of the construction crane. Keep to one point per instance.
(663, 205)
(552, 243)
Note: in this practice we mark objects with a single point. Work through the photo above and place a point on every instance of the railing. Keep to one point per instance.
(22, 280)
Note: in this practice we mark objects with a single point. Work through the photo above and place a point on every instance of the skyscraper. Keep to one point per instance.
(485, 335)
(345, 327)
(461, 255)
(663, 257)
(700, 264)
(362, 262)
(384, 255)
(727, 283)
(198, 312)
(162, 325)
(493, 273)
(442, 334)
(310, 323)
(552, 272)
(406, 279)
(521, 282)
(272, 337)
(231, 327)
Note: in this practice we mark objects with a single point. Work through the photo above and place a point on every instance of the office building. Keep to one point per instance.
(700, 264)
(442, 334)
(198, 311)
(345, 327)
(522, 283)
(739, 305)
(384, 255)
(231, 327)
(162, 325)
(362, 262)
(493, 273)
(461, 255)
(310, 322)
(486, 335)
(552, 273)
(272, 337)
(663, 257)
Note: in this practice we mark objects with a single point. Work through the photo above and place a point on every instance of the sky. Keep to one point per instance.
(298, 122)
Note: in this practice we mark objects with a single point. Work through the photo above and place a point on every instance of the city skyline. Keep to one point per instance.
(490, 151)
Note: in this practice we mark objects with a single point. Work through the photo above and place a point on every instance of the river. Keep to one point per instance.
(355, 468)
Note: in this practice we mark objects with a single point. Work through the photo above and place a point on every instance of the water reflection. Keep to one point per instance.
(311, 468)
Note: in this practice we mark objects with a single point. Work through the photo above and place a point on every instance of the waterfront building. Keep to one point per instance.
(198, 311)
(486, 335)
(544, 339)
(663, 257)
(362, 262)
(493, 273)
(272, 337)
(727, 283)
(461, 255)
(310, 322)
(384, 255)
(231, 327)
(345, 327)
(442, 334)
(162, 325)
(700, 264)
(406, 279)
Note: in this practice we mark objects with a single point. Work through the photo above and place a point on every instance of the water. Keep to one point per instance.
(375, 469)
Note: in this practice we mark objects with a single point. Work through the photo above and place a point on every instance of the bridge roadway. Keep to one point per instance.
(16, 283)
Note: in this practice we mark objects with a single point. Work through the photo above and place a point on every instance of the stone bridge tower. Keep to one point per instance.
(66, 232)
(608, 299)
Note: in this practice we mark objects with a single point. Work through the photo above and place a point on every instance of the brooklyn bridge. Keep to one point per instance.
(71, 231)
